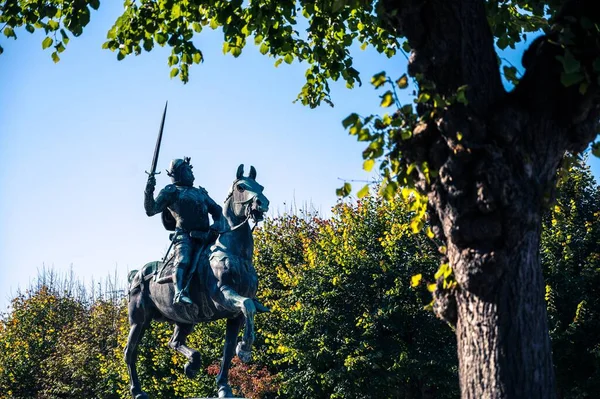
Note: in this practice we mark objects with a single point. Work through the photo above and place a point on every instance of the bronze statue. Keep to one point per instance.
(185, 210)
(199, 282)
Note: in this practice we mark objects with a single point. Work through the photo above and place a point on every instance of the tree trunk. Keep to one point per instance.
(487, 204)
(496, 156)
(503, 343)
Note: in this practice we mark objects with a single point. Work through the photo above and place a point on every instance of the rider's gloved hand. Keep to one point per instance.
(150, 184)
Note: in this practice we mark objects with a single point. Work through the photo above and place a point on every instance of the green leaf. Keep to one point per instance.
(510, 73)
(289, 58)
(55, 57)
(197, 57)
(344, 191)
(278, 62)
(350, 120)
(368, 165)
(47, 43)
(423, 98)
(65, 37)
(378, 79)
(29, 28)
(1, 49)
(570, 64)
(174, 72)
(569, 79)
(161, 38)
(363, 192)
(53, 24)
(176, 10)
(235, 51)
(9, 32)
(338, 5)
(461, 95)
(264, 48)
(402, 82)
(596, 149)
(387, 99)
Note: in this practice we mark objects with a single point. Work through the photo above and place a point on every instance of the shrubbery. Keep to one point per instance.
(345, 321)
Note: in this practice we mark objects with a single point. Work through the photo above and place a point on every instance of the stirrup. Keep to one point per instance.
(180, 297)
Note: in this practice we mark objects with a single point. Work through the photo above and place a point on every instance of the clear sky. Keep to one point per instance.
(77, 136)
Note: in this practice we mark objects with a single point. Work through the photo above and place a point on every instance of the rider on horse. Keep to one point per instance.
(185, 210)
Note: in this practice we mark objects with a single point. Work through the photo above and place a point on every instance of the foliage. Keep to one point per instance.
(56, 342)
(251, 381)
(57, 18)
(347, 316)
(342, 286)
(571, 261)
(64, 343)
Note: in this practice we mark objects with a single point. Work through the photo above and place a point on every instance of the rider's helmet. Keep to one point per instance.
(180, 172)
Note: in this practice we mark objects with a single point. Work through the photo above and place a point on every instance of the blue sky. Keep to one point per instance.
(77, 136)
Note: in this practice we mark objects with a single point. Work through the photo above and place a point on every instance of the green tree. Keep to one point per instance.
(345, 321)
(55, 341)
(571, 261)
(483, 160)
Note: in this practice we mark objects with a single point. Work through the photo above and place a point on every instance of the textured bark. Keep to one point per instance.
(497, 159)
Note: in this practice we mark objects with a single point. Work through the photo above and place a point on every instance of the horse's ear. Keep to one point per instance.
(252, 174)
(240, 172)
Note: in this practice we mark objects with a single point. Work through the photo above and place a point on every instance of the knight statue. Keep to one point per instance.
(184, 210)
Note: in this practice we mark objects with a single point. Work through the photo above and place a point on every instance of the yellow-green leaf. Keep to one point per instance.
(415, 280)
(387, 99)
(402, 82)
(47, 43)
(430, 232)
(363, 192)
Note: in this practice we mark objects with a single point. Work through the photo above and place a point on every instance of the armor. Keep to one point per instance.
(185, 210)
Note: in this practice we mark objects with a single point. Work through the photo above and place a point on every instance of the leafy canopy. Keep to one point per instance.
(321, 33)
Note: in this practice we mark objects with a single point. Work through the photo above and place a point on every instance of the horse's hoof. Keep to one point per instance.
(225, 392)
(260, 308)
(244, 355)
(191, 369)
(138, 394)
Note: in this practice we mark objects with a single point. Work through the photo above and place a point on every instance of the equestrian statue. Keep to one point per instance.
(208, 276)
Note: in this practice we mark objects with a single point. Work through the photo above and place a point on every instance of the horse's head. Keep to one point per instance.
(246, 195)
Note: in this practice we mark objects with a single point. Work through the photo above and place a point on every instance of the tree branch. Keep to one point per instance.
(452, 46)
(560, 81)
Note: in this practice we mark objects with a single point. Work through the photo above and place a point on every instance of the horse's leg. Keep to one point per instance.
(138, 322)
(177, 343)
(231, 334)
(248, 308)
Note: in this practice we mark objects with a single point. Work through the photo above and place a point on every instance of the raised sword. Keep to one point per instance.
(157, 147)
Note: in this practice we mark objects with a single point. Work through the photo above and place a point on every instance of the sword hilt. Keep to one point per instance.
(153, 173)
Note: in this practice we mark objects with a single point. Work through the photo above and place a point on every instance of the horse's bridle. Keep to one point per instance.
(241, 203)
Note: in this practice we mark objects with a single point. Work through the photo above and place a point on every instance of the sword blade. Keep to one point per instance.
(158, 141)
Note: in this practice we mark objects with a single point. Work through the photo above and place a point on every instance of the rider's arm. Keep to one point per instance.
(215, 210)
(165, 198)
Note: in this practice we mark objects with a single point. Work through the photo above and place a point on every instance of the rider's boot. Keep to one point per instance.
(180, 294)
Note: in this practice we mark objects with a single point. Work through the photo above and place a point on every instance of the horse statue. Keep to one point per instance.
(223, 285)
